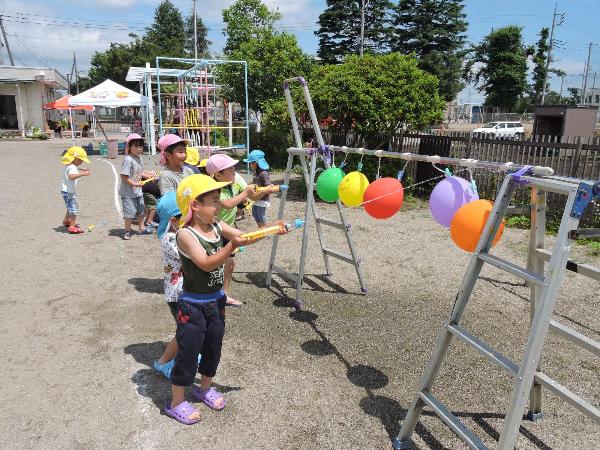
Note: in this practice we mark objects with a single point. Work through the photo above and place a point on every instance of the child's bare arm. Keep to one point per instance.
(191, 247)
(82, 173)
(234, 201)
(127, 179)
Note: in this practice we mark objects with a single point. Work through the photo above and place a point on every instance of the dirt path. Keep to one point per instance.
(83, 318)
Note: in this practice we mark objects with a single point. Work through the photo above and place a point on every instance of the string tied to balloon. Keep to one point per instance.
(379, 154)
(401, 172)
(345, 150)
(361, 152)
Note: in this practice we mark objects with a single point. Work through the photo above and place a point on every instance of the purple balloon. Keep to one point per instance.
(448, 196)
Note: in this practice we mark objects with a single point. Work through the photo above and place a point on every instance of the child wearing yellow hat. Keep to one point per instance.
(201, 304)
(192, 159)
(72, 159)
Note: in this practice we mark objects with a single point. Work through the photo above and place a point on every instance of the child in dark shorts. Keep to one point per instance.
(201, 305)
(151, 194)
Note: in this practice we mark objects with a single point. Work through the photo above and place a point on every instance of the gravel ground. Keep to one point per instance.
(82, 320)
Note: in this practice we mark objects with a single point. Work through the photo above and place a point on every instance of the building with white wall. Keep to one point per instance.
(23, 91)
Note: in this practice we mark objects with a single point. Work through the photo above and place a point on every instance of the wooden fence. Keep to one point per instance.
(575, 157)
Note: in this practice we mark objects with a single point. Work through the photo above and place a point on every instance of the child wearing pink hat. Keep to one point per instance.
(173, 154)
(222, 169)
(130, 187)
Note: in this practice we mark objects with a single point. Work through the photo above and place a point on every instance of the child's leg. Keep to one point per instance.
(140, 219)
(211, 350)
(170, 352)
(150, 215)
(128, 224)
(228, 273)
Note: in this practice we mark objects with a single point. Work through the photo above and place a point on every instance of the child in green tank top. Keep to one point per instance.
(201, 305)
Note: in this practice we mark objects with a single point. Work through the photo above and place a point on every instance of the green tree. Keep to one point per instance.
(498, 66)
(245, 20)
(167, 33)
(434, 31)
(540, 57)
(271, 58)
(339, 29)
(201, 32)
(373, 96)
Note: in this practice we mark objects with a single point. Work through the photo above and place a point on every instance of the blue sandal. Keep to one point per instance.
(165, 368)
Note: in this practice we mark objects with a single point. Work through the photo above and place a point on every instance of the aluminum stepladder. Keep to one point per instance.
(579, 194)
(311, 208)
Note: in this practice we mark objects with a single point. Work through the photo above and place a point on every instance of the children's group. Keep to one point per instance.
(193, 207)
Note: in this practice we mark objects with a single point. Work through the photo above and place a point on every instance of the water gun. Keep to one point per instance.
(148, 180)
(275, 229)
(278, 188)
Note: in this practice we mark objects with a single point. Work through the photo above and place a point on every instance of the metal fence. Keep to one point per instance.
(572, 156)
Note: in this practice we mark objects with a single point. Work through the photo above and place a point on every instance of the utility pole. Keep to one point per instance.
(562, 81)
(75, 70)
(10, 55)
(585, 75)
(195, 34)
(362, 27)
(550, 47)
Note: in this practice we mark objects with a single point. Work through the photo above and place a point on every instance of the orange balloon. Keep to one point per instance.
(468, 222)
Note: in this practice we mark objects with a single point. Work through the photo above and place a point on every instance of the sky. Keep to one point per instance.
(46, 33)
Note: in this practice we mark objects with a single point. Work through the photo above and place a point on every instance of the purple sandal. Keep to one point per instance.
(209, 397)
(181, 413)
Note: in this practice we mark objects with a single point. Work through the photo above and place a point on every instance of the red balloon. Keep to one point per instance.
(383, 198)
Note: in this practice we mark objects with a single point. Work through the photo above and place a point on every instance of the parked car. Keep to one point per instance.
(501, 130)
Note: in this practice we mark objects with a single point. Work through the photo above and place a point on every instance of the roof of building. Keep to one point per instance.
(46, 75)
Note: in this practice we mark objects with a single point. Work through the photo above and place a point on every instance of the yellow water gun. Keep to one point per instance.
(275, 187)
(275, 229)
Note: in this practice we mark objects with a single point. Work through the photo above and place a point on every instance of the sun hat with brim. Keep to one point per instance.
(257, 156)
(219, 162)
(193, 156)
(133, 137)
(166, 208)
(165, 142)
(203, 163)
(73, 153)
(191, 188)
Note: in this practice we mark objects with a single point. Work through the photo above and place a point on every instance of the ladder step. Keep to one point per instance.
(340, 256)
(560, 186)
(284, 273)
(570, 397)
(587, 270)
(575, 337)
(332, 223)
(512, 268)
(484, 349)
(452, 421)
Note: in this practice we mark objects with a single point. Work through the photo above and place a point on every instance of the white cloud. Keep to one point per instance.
(116, 3)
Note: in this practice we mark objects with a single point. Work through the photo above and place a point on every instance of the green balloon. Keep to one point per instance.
(328, 183)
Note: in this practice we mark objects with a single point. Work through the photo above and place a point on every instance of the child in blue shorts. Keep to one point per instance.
(73, 158)
(259, 165)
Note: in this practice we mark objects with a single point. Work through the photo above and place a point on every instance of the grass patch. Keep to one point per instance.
(524, 223)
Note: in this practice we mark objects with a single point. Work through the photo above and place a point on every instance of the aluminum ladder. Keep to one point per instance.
(546, 285)
(311, 211)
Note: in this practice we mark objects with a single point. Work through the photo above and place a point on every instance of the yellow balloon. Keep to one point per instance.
(352, 189)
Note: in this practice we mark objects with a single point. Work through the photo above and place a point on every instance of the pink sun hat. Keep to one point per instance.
(133, 137)
(219, 162)
(166, 141)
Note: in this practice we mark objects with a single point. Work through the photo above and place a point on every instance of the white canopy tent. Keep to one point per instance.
(109, 95)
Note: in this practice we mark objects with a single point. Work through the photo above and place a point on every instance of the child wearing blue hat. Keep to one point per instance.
(260, 167)
(169, 215)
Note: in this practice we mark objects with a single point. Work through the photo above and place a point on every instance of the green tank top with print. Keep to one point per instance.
(196, 280)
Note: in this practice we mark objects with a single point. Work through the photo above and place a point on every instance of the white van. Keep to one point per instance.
(501, 130)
